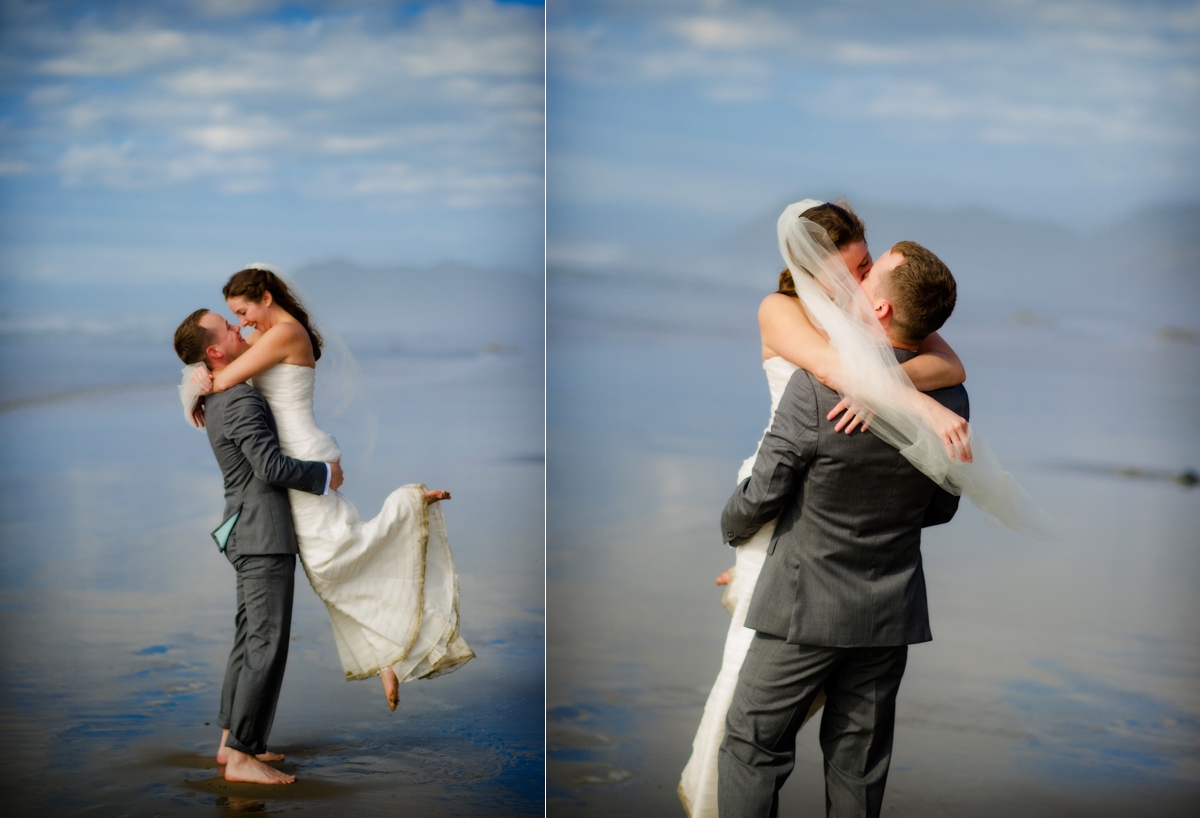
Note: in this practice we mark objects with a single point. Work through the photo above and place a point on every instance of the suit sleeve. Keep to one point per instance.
(944, 505)
(245, 422)
(787, 449)
(941, 508)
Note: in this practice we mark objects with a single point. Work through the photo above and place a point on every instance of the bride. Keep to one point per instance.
(389, 584)
(792, 340)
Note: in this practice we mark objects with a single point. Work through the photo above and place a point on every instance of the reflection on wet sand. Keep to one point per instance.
(78, 394)
(1186, 477)
(204, 774)
(117, 614)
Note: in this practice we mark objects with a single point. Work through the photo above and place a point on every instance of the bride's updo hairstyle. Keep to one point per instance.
(251, 283)
(840, 222)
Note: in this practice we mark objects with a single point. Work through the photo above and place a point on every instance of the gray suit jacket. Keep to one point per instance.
(844, 567)
(242, 432)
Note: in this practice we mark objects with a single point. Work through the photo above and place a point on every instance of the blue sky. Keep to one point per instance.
(169, 139)
(674, 123)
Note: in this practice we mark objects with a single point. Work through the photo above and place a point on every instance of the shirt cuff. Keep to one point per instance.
(328, 477)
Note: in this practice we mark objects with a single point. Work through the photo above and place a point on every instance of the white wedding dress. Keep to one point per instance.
(698, 785)
(389, 583)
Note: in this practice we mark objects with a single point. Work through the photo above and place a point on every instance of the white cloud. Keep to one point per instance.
(238, 138)
(455, 90)
(454, 187)
(353, 144)
(235, 8)
(113, 53)
(206, 82)
(1035, 72)
(735, 32)
(124, 167)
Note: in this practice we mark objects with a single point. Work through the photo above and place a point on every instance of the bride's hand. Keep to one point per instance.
(203, 379)
(434, 496)
(853, 416)
(952, 429)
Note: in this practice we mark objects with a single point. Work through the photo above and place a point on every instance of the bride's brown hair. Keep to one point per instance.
(251, 283)
(841, 223)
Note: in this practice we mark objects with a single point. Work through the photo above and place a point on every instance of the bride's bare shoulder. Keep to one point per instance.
(779, 306)
(287, 339)
(284, 333)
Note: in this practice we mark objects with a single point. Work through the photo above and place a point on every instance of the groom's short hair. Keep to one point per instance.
(192, 338)
(922, 292)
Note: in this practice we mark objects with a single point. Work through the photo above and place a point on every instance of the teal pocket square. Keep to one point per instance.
(221, 535)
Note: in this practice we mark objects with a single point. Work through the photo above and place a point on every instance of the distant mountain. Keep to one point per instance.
(445, 307)
(448, 305)
(1141, 268)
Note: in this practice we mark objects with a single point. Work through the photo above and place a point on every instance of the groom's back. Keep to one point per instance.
(845, 567)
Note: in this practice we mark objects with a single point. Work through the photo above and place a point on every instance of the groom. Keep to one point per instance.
(841, 595)
(258, 540)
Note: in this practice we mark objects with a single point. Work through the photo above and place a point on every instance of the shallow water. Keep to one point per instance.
(118, 610)
(1062, 679)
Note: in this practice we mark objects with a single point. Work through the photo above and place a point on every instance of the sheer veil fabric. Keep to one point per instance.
(339, 388)
(876, 383)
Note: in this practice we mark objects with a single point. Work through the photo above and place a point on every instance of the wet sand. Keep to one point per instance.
(1062, 679)
(118, 610)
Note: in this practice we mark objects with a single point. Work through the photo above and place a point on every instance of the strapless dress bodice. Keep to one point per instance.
(288, 388)
(779, 372)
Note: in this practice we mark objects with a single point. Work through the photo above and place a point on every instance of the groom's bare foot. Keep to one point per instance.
(248, 769)
(391, 687)
(223, 753)
(433, 497)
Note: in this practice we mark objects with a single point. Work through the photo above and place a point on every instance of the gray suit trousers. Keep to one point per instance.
(775, 689)
(254, 675)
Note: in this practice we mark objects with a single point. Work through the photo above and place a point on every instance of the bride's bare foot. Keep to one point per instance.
(723, 578)
(433, 497)
(248, 769)
(223, 752)
(391, 687)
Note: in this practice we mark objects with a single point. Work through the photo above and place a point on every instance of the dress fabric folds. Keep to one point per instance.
(698, 784)
(388, 583)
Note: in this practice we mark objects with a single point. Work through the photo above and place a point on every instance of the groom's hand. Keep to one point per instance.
(335, 475)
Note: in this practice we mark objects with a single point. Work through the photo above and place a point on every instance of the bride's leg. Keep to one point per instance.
(391, 687)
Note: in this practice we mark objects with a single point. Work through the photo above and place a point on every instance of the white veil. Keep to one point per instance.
(339, 383)
(872, 378)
